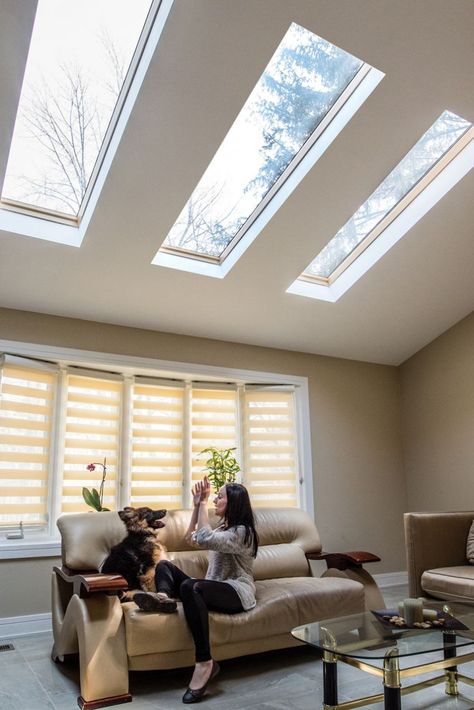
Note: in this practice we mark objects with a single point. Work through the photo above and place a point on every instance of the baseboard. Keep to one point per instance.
(391, 579)
(13, 626)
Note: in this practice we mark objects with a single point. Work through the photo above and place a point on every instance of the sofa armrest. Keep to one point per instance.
(89, 582)
(343, 560)
(434, 540)
(348, 565)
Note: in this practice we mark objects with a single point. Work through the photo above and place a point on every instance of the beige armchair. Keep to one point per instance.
(113, 638)
(436, 555)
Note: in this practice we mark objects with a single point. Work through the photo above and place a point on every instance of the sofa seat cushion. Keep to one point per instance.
(451, 583)
(282, 604)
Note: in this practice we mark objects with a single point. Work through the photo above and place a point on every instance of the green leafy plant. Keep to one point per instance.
(221, 466)
(94, 498)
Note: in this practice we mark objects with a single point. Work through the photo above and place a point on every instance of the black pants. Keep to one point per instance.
(199, 596)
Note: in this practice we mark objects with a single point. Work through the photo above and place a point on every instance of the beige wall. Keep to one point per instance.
(438, 421)
(359, 486)
(358, 470)
(25, 586)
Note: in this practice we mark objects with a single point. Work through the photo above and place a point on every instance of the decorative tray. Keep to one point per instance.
(442, 621)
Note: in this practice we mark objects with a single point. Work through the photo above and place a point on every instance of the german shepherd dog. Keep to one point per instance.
(136, 557)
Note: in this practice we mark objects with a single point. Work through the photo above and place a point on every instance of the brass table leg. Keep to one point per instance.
(391, 680)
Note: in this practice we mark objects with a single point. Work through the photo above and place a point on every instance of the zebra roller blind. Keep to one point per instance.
(271, 456)
(27, 397)
(57, 419)
(91, 434)
(157, 446)
(214, 422)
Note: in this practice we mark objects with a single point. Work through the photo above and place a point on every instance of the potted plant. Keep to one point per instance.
(221, 466)
(94, 498)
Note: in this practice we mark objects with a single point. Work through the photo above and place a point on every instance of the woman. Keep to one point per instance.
(228, 587)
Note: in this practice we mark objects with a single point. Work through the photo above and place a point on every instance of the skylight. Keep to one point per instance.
(308, 83)
(436, 162)
(421, 158)
(77, 67)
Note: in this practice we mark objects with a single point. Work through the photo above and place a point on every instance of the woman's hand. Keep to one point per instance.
(201, 491)
(196, 493)
(205, 489)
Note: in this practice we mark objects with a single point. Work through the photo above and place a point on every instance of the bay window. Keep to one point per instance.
(56, 417)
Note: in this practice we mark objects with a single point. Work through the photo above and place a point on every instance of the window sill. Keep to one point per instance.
(18, 549)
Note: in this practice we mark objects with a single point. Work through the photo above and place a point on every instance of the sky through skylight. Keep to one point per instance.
(78, 58)
(437, 140)
(303, 80)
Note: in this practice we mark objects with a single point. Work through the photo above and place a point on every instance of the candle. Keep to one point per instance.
(413, 610)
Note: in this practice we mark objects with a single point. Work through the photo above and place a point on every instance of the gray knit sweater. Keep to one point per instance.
(230, 559)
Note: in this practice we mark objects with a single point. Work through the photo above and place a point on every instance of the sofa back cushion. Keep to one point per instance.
(285, 535)
(87, 538)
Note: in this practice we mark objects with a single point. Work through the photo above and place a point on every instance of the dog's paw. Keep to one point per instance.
(126, 597)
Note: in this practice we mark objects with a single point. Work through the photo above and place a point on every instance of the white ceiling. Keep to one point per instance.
(210, 56)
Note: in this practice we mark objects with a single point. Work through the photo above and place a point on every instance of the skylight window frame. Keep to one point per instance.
(347, 104)
(303, 151)
(421, 185)
(448, 170)
(38, 212)
(42, 223)
(297, 158)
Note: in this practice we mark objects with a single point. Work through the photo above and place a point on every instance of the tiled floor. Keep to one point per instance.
(292, 678)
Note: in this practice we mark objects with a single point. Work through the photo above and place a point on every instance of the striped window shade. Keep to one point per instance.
(157, 446)
(27, 397)
(271, 460)
(92, 429)
(213, 423)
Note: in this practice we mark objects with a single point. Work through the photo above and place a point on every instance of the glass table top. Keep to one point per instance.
(363, 635)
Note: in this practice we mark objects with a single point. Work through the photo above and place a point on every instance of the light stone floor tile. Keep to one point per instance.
(281, 680)
(19, 689)
(68, 701)
(54, 682)
(12, 701)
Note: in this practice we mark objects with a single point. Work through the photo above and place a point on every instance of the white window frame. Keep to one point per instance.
(47, 544)
(32, 221)
(437, 182)
(348, 103)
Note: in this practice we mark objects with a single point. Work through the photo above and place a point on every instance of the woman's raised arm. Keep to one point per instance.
(199, 517)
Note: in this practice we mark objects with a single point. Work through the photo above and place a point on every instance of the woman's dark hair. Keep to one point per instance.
(239, 512)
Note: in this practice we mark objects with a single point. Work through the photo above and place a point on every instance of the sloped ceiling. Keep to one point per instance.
(211, 54)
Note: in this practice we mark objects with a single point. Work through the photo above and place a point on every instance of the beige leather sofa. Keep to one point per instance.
(113, 638)
(436, 555)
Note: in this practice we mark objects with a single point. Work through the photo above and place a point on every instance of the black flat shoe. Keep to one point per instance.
(150, 601)
(195, 696)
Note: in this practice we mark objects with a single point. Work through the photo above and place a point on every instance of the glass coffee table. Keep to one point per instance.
(374, 646)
